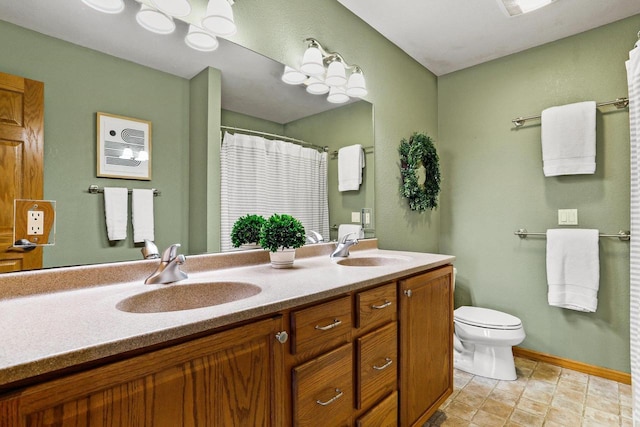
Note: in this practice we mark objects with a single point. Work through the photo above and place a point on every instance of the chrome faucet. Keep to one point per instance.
(314, 237)
(342, 247)
(169, 269)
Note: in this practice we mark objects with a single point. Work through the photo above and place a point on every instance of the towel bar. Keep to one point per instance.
(618, 103)
(622, 235)
(94, 189)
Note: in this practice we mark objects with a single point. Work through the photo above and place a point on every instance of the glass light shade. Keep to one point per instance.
(200, 39)
(337, 95)
(142, 156)
(312, 64)
(105, 6)
(356, 86)
(292, 76)
(316, 86)
(219, 18)
(336, 74)
(179, 8)
(154, 20)
(127, 153)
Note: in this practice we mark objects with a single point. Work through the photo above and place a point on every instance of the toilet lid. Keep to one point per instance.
(485, 317)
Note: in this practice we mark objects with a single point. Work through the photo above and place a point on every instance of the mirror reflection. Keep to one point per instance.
(90, 62)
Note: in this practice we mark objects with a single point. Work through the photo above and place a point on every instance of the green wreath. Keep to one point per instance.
(419, 151)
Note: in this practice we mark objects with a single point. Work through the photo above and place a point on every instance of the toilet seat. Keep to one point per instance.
(486, 318)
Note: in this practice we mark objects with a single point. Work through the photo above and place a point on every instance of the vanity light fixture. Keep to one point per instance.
(159, 17)
(323, 72)
(519, 7)
(155, 21)
(106, 6)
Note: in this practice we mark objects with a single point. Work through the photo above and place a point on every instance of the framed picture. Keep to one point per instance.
(124, 147)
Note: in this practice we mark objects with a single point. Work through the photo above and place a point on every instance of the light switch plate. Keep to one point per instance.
(567, 216)
(355, 216)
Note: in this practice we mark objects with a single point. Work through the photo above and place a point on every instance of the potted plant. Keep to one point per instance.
(281, 235)
(246, 231)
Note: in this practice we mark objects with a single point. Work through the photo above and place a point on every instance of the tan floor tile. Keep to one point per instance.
(577, 377)
(570, 395)
(565, 383)
(561, 402)
(603, 404)
(451, 421)
(545, 376)
(479, 389)
(626, 412)
(504, 396)
(526, 419)
(626, 422)
(592, 415)
(548, 369)
(486, 419)
(523, 372)
(498, 408)
(472, 399)
(545, 386)
(532, 407)
(537, 395)
(461, 410)
(515, 387)
(521, 362)
(563, 417)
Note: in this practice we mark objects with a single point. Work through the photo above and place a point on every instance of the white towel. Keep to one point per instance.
(573, 269)
(115, 210)
(142, 215)
(350, 164)
(569, 139)
(344, 229)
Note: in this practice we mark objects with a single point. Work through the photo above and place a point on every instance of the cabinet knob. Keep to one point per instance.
(282, 337)
(408, 293)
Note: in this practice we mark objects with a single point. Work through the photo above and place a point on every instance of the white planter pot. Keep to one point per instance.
(283, 258)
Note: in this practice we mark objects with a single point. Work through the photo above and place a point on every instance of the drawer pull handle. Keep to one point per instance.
(335, 323)
(380, 307)
(385, 366)
(333, 399)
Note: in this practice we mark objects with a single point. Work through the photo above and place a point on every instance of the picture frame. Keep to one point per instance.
(123, 147)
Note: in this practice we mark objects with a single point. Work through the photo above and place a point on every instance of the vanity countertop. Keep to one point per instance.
(44, 332)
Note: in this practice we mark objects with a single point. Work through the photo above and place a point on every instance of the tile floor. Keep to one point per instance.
(543, 395)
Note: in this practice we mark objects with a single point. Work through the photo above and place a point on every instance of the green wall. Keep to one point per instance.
(78, 83)
(493, 185)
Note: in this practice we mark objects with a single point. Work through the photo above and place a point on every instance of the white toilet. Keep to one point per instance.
(483, 339)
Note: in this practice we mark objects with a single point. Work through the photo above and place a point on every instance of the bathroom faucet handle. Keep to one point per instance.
(170, 253)
(345, 238)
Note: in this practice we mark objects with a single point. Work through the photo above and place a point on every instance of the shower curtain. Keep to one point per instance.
(262, 176)
(633, 78)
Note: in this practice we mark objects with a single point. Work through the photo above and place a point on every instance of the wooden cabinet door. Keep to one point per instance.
(21, 161)
(426, 344)
(232, 378)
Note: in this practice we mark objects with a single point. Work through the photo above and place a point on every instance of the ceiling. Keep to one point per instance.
(449, 35)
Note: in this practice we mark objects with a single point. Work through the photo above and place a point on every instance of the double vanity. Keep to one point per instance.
(359, 341)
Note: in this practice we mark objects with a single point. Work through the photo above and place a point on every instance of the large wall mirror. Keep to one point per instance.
(58, 41)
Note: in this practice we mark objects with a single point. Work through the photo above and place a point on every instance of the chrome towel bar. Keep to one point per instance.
(622, 235)
(94, 189)
(618, 103)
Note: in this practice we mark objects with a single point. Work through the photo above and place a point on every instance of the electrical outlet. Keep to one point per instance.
(35, 223)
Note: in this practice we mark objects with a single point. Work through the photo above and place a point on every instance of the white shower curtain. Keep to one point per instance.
(633, 77)
(263, 177)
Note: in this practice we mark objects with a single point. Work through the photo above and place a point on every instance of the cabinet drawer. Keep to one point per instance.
(376, 306)
(323, 389)
(377, 371)
(384, 414)
(318, 328)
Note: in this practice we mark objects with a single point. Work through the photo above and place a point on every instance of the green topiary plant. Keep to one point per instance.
(281, 232)
(246, 230)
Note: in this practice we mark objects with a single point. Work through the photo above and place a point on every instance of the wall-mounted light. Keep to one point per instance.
(159, 17)
(321, 72)
(519, 7)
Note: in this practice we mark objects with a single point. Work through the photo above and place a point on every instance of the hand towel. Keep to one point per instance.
(142, 215)
(573, 269)
(350, 164)
(115, 210)
(344, 229)
(569, 139)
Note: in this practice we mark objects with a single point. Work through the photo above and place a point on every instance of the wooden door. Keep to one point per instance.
(21, 161)
(232, 378)
(426, 344)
